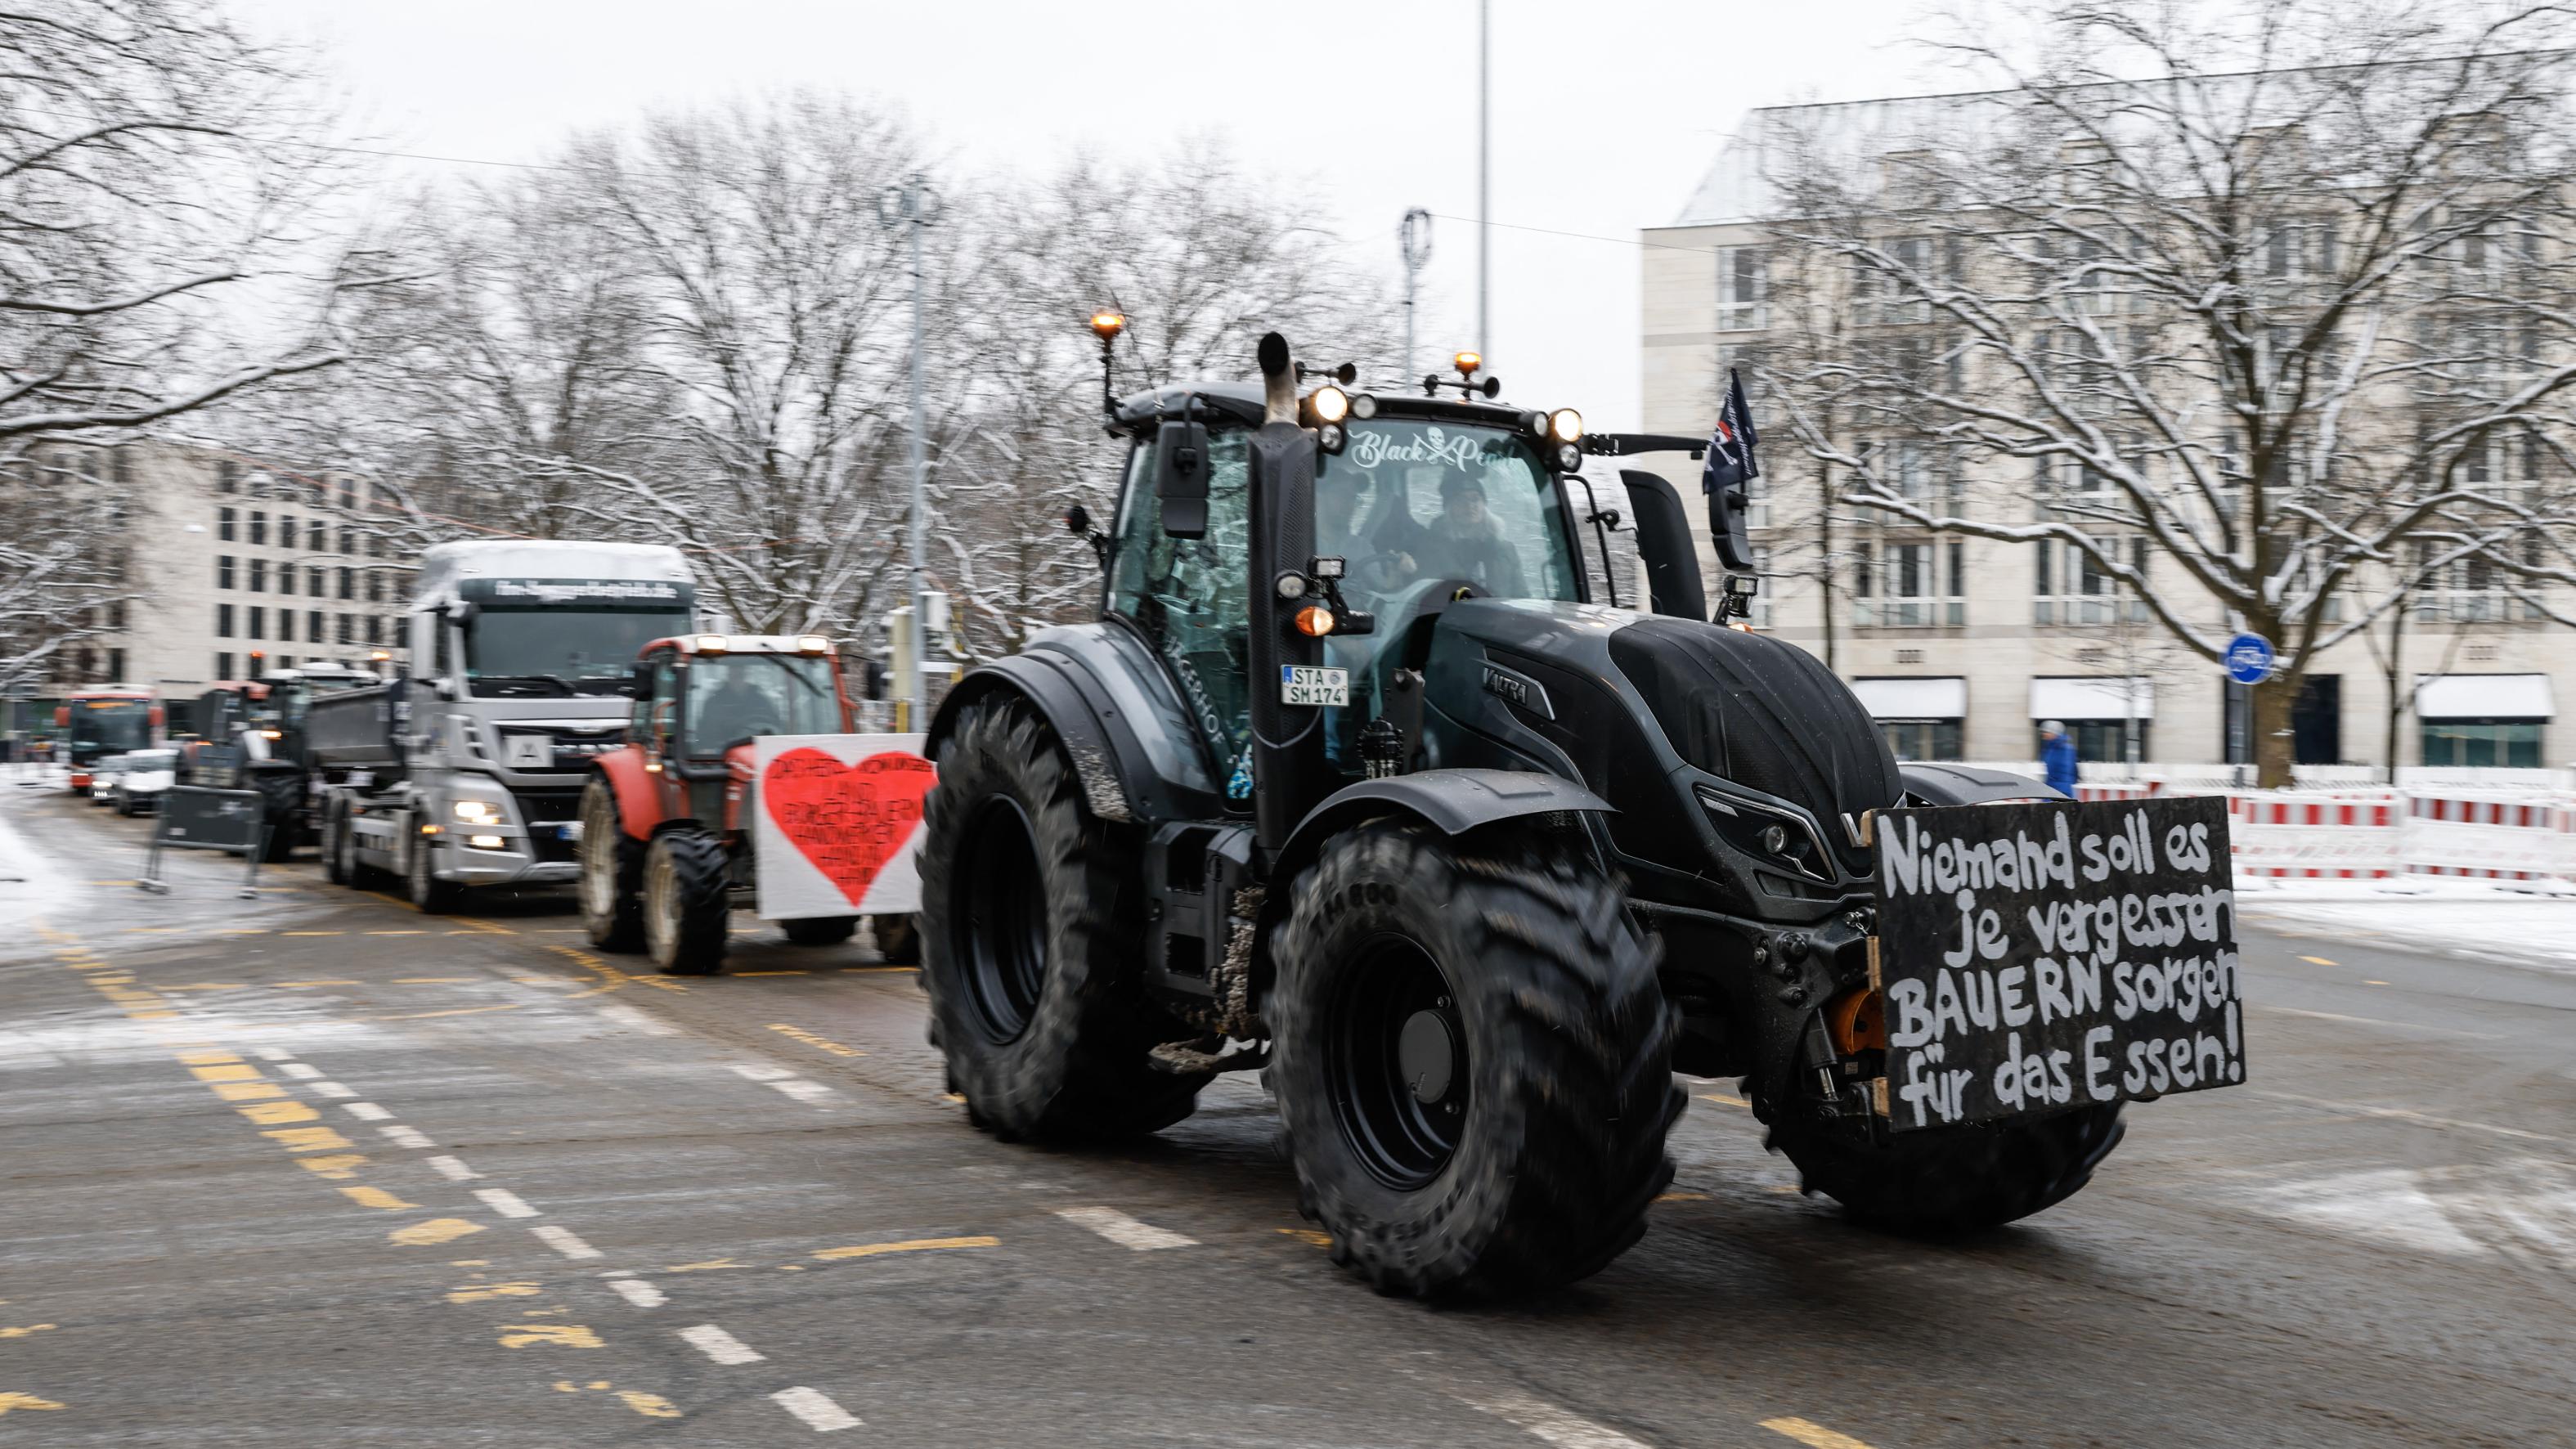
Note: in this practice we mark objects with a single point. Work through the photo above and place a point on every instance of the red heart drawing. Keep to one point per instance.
(849, 820)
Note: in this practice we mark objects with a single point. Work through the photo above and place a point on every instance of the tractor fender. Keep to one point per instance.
(623, 768)
(1110, 702)
(1940, 784)
(1450, 801)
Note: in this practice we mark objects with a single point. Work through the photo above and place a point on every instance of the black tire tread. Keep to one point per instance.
(819, 930)
(701, 872)
(1951, 1182)
(622, 930)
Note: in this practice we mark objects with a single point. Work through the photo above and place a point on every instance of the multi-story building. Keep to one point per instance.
(234, 568)
(1962, 645)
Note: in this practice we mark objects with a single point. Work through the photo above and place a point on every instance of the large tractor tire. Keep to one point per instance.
(1952, 1180)
(1473, 1060)
(1031, 932)
(688, 902)
(820, 930)
(898, 939)
(612, 872)
(430, 895)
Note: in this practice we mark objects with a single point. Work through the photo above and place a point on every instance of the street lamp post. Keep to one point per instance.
(1415, 239)
(913, 206)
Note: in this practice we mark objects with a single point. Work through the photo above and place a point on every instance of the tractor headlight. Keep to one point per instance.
(477, 812)
(1331, 404)
(1565, 425)
(1569, 458)
(814, 644)
(1330, 437)
(1363, 406)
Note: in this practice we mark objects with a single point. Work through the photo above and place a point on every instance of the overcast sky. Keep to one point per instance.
(1605, 114)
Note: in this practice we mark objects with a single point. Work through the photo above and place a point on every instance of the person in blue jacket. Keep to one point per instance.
(2057, 755)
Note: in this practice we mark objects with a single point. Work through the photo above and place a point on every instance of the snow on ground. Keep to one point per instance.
(2529, 922)
(30, 884)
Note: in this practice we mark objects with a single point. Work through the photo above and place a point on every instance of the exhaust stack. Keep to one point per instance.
(1278, 381)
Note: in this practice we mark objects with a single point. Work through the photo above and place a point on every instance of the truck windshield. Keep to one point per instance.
(560, 651)
(109, 727)
(733, 697)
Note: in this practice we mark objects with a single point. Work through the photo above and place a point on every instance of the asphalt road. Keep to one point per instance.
(314, 1169)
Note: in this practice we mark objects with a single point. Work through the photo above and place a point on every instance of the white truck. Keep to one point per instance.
(467, 770)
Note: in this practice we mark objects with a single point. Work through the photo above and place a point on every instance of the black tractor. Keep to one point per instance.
(1356, 780)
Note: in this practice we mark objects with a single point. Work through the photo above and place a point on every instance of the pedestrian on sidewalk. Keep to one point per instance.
(2057, 756)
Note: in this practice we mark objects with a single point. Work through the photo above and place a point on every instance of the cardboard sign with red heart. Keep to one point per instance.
(837, 820)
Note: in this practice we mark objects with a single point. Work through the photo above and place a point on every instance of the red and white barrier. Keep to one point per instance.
(2386, 834)
(2281, 834)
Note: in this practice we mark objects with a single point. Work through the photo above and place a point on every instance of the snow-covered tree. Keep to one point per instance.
(63, 574)
(2262, 313)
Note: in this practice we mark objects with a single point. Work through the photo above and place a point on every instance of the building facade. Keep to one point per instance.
(1961, 645)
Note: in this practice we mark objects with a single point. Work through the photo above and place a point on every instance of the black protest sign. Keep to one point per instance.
(2040, 955)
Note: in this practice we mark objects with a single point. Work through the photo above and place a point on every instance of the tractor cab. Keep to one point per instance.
(701, 699)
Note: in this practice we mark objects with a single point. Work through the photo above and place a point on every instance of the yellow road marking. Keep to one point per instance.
(810, 1039)
(312, 933)
(433, 1232)
(375, 1197)
(239, 931)
(769, 973)
(30, 1328)
(703, 1267)
(209, 986)
(14, 1400)
(337, 982)
(337, 1167)
(207, 1059)
(2374, 983)
(548, 1335)
(430, 980)
(1683, 1197)
(1724, 1100)
(247, 1091)
(1309, 1236)
(233, 1071)
(913, 1245)
(458, 1011)
(397, 933)
(2316, 960)
(1813, 1435)
(497, 1290)
(651, 1406)
(272, 1114)
(309, 1139)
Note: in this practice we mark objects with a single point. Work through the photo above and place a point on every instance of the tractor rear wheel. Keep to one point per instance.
(820, 930)
(898, 940)
(1951, 1180)
(688, 902)
(1031, 931)
(612, 872)
(1474, 1060)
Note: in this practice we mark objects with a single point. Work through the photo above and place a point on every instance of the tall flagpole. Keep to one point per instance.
(1484, 178)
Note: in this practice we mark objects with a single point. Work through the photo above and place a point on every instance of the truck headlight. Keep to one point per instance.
(484, 842)
(477, 812)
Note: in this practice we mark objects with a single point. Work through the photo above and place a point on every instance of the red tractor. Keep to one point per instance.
(666, 829)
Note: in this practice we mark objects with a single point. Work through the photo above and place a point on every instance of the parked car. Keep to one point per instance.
(141, 779)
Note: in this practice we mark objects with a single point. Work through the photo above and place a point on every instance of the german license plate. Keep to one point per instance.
(1314, 684)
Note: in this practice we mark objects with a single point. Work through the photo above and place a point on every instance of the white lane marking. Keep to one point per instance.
(816, 1408)
(638, 1292)
(619, 1014)
(278, 1054)
(505, 1202)
(2376, 1021)
(1123, 1230)
(721, 1346)
(402, 1136)
(2400, 1114)
(803, 1090)
(333, 1089)
(1555, 1425)
(366, 1111)
(453, 1169)
(300, 1071)
(761, 1072)
(563, 1241)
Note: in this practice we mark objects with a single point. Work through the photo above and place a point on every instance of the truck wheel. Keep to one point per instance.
(898, 939)
(820, 930)
(688, 902)
(1031, 931)
(335, 856)
(612, 872)
(1473, 1061)
(433, 896)
(1948, 1181)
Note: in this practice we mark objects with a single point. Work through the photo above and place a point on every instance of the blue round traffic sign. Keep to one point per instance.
(2249, 659)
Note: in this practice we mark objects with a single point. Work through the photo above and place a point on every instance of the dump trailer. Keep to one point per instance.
(467, 771)
(1355, 780)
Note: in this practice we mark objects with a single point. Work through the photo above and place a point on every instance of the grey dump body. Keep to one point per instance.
(396, 759)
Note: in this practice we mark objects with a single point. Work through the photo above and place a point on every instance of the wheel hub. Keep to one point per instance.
(1427, 1054)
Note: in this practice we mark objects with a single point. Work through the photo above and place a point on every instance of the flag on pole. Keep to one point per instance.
(1730, 449)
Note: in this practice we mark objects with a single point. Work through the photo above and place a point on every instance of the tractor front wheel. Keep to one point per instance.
(1948, 1181)
(1032, 928)
(688, 902)
(612, 872)
(1474, 1060)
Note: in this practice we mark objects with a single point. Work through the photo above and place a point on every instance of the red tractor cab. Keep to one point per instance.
(666, 843)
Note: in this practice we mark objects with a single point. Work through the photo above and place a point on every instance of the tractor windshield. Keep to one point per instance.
(1408, 504)
(734, 697)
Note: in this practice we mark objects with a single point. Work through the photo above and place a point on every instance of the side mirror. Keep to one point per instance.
(1726, 509)
(1077, 521)
(1664, 542)
(639, 682)
(1181, 478)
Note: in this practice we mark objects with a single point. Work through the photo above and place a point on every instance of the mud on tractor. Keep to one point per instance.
(666, 834)
(1355, 779)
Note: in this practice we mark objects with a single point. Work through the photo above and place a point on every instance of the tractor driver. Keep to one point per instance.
(735, 709)
(1466, 541)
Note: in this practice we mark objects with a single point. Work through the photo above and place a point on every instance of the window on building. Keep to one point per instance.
(313, 581)
(375, 545)
(116, 614)
(286, 578)
(227, 480)
(227, 523)
(258, 526)
(223, 664)
(1912, 584)
(1742, 290)
(285, 531)
(2070, 586)
(1921, 739)
(2477, 744)
(116, 657)
(223, 571)
(348, 539)
(2104, 741)
(375, 629)
(375, 587)
(313, 626)
(255, 622)
(348, 578)
(223, 621)
(259, 576)
(286, 625)
(348, 629)
(286, 661)
(348, 500)
(317, 539)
